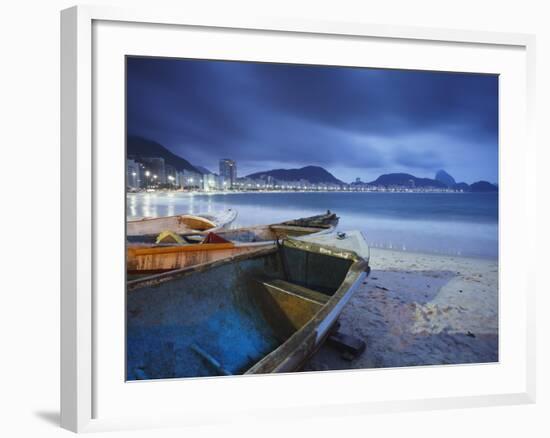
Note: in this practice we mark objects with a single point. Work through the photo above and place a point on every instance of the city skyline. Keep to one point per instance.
(145, 172)
(227, 169)
(353, 122)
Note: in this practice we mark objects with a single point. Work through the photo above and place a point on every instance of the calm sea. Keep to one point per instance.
(463, 224)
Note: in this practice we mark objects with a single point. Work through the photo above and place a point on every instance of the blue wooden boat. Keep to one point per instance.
(265, 312)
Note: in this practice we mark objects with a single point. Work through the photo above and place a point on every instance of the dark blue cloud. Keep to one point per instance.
(412, 159)
(358, 121)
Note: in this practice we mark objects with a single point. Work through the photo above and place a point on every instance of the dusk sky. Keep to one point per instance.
(355, 122)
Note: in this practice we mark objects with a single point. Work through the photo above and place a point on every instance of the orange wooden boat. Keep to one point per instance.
(145, 258)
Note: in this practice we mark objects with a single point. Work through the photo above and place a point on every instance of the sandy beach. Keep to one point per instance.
(420, 309)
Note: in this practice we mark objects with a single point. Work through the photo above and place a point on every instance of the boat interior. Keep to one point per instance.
(227, 318)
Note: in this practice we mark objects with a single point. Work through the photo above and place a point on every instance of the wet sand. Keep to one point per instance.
(420, 309)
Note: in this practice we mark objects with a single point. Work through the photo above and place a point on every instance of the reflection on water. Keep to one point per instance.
(455, 224)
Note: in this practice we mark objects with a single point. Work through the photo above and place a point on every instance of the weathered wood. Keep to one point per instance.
(161, 250)
(162, 259)
(288, 304)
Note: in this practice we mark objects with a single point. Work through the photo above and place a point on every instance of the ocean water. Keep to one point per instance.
(463, 224)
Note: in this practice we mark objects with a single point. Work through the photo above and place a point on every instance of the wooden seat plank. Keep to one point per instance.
(298, 290)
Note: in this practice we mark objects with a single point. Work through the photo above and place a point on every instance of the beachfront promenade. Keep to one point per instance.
(305, 190)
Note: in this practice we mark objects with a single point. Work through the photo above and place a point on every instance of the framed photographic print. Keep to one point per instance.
(257, 208)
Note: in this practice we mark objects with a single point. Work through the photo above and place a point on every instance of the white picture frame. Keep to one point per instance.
(82, 170)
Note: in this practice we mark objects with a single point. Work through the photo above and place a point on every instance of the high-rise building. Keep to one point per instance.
(192, 179)
(156, 167)
(171, 175)
(180, 179)
(209, 181)
(228, 171)
(132, 174)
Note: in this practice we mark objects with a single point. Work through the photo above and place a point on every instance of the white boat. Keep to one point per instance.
(180, 224)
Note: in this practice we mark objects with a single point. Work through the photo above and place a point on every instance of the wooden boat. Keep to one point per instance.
(258, 313)
(320, 220)
(181, 224)
(347, 240)
(145, 258)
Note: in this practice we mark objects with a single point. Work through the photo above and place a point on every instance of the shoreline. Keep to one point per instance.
(434, 254)
(447, 231)
(420, 309)
(221, 192)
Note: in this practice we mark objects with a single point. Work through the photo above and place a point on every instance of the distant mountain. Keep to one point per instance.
(203, 170)
(406, 179)
(445, 178)
(483, 186)
(142, 147)
(462, 186)
(313, 174)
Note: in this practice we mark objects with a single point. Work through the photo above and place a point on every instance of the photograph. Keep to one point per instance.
(308, 218)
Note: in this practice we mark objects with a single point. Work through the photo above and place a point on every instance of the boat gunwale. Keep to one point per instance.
(143, 250)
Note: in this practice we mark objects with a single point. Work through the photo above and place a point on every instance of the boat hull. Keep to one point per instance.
(265, 312)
